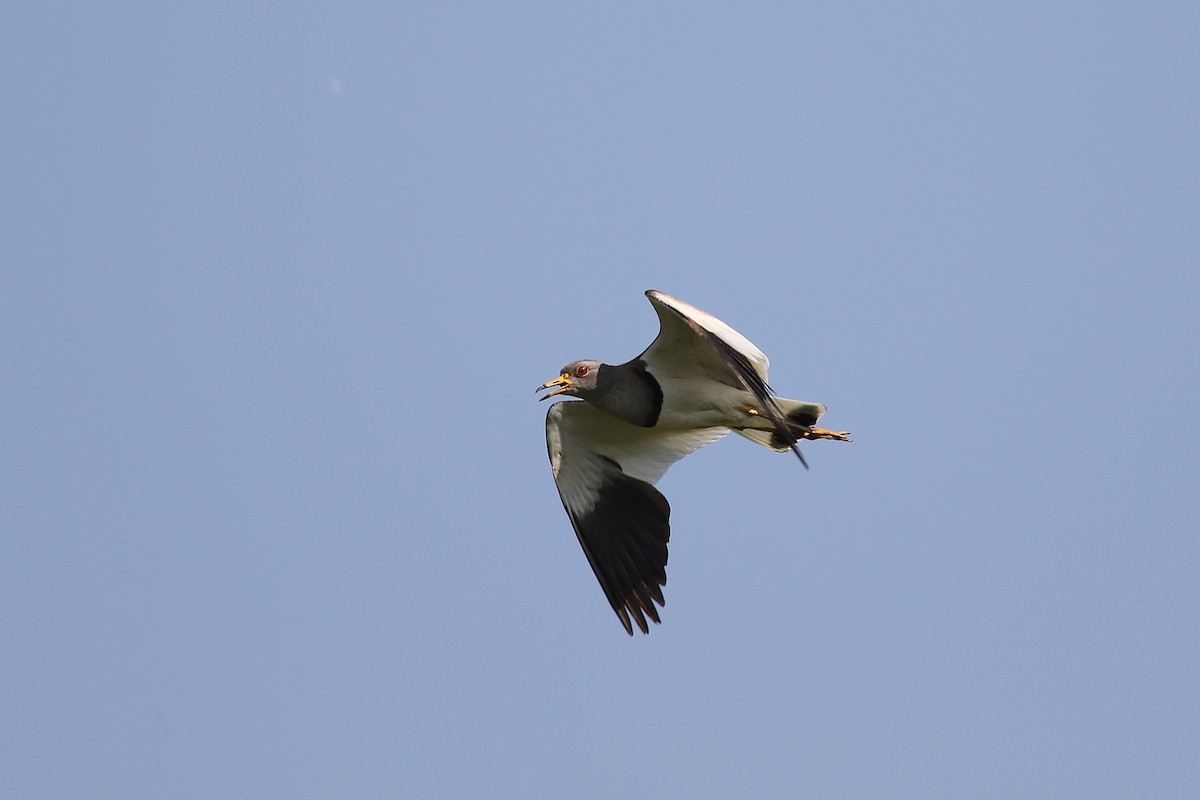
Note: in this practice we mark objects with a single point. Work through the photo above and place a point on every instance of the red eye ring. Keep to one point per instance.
(581, 372)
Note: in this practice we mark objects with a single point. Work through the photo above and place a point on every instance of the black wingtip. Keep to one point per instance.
(625, 536)
(799, 455)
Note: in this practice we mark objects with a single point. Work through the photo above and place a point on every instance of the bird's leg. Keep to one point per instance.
(809, 431)
(822, 433)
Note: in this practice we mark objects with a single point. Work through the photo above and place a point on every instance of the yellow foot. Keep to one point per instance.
(821, 433)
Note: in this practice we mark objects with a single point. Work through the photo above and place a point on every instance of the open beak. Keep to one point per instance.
(563, 382)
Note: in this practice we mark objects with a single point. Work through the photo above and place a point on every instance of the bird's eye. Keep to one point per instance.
(581, 371)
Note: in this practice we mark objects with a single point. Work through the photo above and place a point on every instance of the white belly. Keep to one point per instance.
(706, 404)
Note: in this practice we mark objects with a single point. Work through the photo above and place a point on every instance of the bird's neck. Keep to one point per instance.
(628, 392)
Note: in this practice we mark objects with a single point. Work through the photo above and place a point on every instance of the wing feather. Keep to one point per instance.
(605, 469)
(682, 346)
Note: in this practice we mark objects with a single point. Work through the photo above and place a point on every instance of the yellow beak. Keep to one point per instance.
(563, 382)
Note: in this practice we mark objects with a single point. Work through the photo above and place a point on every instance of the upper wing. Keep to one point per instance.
(685, 339)
(605, 469)
(692, 341)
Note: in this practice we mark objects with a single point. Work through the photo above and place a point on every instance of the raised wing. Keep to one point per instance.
(683, 344)
(605, 470)
(690, 341)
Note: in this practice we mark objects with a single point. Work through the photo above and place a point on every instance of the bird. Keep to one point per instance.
(698, 380)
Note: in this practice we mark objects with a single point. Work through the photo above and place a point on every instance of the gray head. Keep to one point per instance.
(577, 379)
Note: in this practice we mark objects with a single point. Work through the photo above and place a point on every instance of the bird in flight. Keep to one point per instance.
(698, 380)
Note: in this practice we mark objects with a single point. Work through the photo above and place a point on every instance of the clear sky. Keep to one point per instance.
(277, 282)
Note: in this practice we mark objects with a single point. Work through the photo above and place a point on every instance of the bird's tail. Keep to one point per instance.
(798, 415)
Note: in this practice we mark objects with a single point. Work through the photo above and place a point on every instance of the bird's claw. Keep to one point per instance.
(822, 433)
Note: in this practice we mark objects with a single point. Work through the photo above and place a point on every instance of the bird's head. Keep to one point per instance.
(578, 379)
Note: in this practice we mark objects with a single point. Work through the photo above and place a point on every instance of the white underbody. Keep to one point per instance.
(690, 403)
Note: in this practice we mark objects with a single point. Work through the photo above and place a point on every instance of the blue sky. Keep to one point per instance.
(277, 282)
